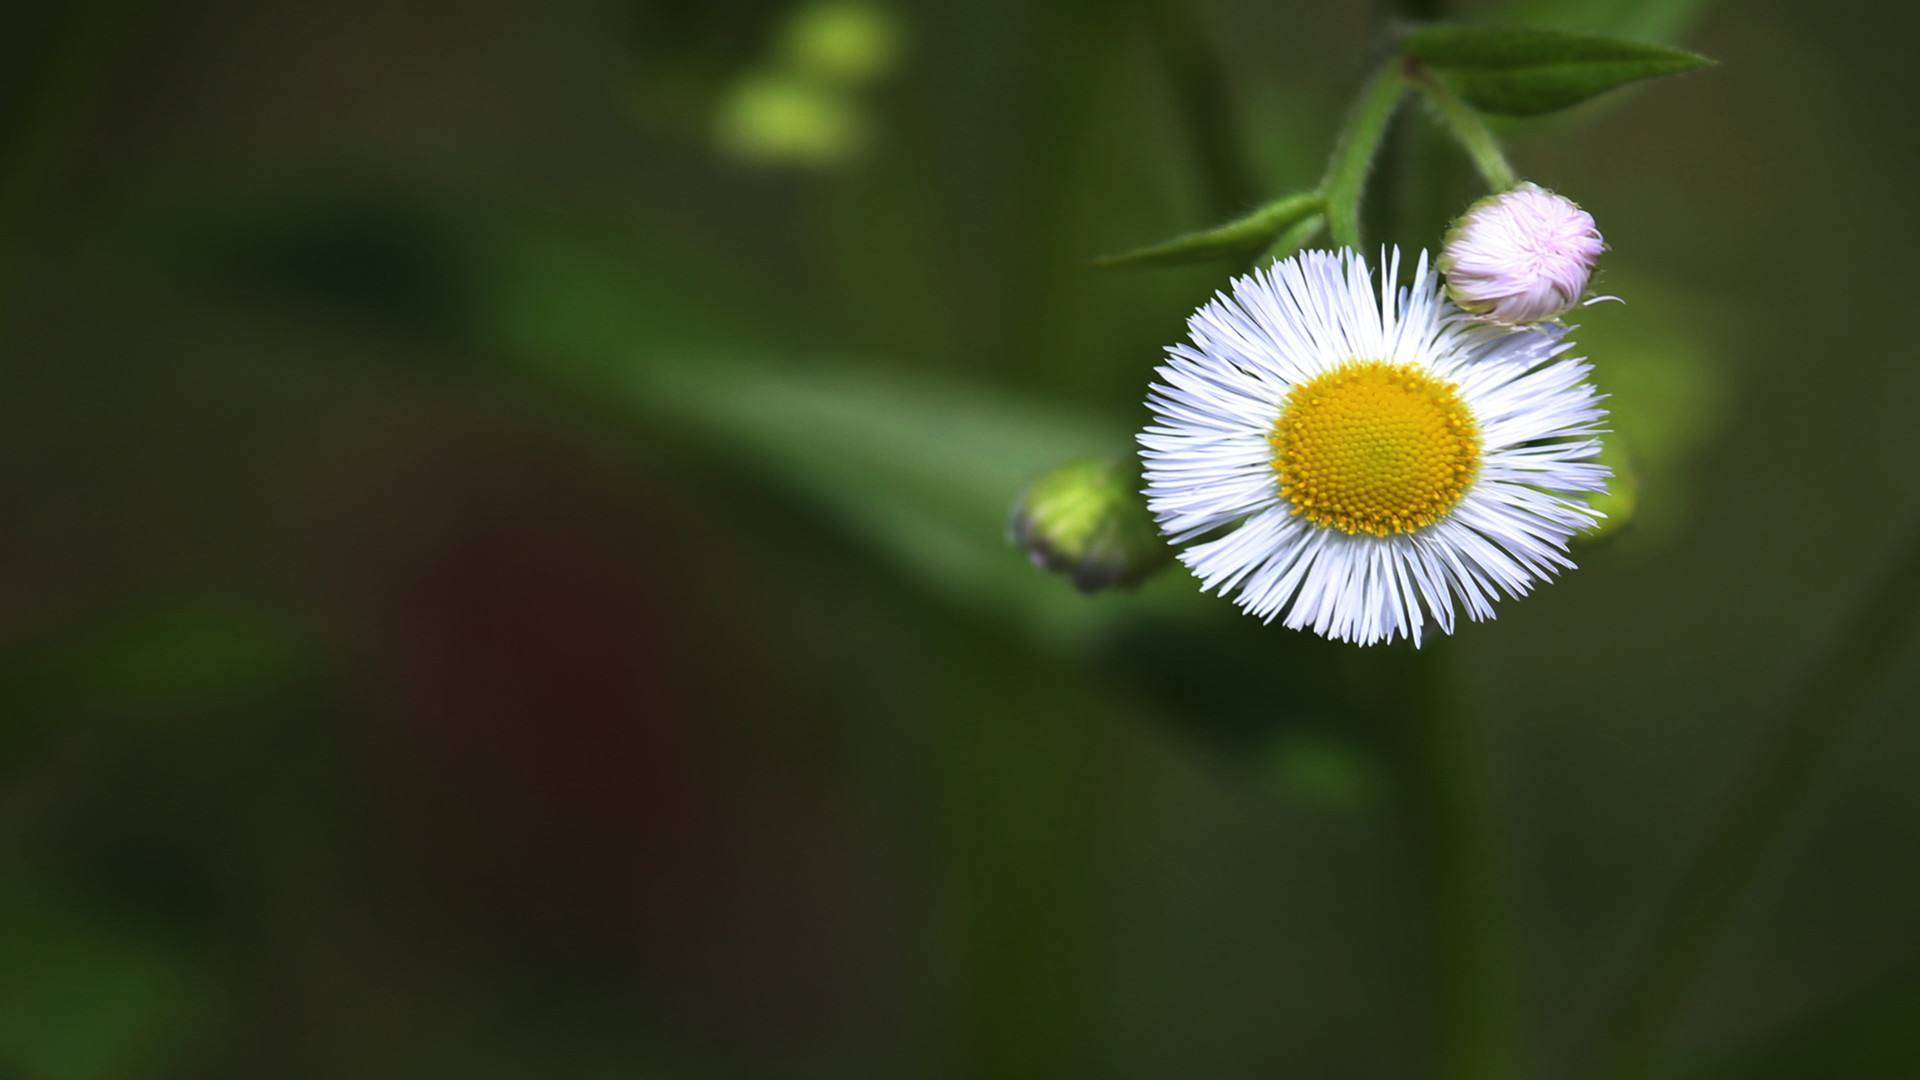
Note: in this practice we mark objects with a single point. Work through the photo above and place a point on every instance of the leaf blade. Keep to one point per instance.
(1524, 72)
(1242, 236)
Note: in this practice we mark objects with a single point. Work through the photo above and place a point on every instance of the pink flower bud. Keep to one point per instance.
(1521, 257)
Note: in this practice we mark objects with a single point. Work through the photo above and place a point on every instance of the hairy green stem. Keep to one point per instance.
(1757, 808)
(1470, 131)
(1353, 152)
(1294, 237)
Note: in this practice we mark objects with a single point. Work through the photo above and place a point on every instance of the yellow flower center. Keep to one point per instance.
(1375, 448)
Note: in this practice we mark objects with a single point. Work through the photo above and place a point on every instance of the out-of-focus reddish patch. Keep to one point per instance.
(577, 770)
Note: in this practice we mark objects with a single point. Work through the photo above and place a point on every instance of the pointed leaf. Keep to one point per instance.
(1515, 72)
(1240, 237)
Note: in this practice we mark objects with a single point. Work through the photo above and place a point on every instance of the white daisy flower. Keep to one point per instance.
(1361, 457)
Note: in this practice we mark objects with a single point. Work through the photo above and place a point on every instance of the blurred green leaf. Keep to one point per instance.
(84, 996)
(173, 657)
(1241, 237)
(176, 659)
(924, 468)
(1520, 72)
(920, 468)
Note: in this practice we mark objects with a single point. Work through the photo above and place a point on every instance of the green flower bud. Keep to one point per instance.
(1087, 520)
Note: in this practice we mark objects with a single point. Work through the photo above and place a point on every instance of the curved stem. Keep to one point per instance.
(1294, 237)
(1353, 153)
(1759, 806)
(1470, 131)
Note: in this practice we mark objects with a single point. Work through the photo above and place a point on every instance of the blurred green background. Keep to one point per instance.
(508, 570)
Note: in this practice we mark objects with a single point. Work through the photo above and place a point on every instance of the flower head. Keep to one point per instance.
(1086, 520)
(1522, 256)
(1358, 457)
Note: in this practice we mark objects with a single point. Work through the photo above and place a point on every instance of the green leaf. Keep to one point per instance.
(1241, 237)
(190, 658)
(89, 991)
(917, 469)
(1528, 72)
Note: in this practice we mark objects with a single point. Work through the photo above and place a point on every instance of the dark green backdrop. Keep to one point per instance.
(505, 569)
